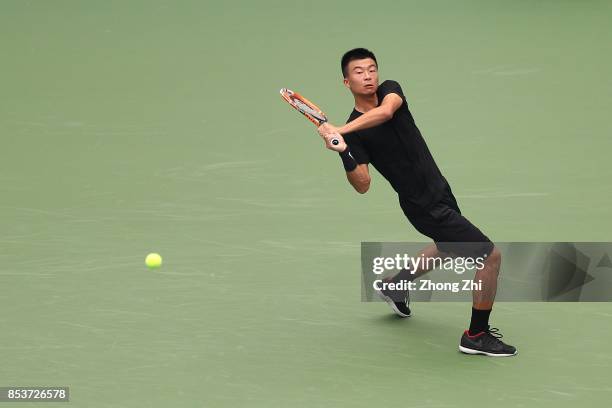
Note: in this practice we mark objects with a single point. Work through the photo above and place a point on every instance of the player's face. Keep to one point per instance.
(362, 76)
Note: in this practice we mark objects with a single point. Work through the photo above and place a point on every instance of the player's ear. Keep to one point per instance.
(346, 83)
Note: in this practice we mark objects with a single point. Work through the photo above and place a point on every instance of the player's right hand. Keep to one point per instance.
(340, 147)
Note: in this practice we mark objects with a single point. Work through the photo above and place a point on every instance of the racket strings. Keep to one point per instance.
(308, 109)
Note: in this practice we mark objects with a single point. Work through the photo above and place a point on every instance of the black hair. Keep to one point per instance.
(355, 54)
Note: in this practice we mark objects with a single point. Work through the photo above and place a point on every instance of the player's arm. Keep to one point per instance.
(374, 117)
(359, 178)
(357, 175)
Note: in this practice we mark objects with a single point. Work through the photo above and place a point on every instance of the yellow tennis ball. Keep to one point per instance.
(153, 261)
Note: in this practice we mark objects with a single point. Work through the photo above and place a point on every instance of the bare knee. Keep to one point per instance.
(494, 257)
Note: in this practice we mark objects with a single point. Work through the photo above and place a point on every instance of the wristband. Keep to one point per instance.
(348, 160)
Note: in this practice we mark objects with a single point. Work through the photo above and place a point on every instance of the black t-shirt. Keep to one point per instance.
(398, 151)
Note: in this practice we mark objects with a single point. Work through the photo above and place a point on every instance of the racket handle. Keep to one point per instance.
(335, 142)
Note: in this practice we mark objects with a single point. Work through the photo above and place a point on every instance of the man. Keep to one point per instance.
(381, 131)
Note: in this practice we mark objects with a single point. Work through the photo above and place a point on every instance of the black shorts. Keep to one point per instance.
(444, 224)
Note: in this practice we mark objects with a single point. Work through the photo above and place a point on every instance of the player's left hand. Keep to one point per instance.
(328, 138)
(326, 129)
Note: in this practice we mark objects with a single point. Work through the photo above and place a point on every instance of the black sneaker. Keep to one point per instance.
(397, 299)
(487, 342)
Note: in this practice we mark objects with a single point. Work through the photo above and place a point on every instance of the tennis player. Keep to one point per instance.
(381, 131)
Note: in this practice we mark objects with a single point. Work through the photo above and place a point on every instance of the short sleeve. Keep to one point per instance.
(390, 86)
(358, 151)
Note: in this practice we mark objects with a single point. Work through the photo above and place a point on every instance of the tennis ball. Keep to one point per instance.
(153, 261)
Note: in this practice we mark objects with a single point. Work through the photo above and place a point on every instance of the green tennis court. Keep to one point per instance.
(155, 126)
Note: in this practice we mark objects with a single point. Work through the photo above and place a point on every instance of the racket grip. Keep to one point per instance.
(335, 142)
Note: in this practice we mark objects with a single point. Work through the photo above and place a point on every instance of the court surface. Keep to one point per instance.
(136, 127)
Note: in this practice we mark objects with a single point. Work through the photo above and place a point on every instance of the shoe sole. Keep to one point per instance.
(473, 352)
(391, 303)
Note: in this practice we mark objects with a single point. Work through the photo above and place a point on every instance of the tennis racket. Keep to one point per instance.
(311, 111)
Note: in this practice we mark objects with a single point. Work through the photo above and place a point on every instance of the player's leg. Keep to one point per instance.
(480, 338)
(483, 299)
(399, 300)
(455, 234)
(412, 273)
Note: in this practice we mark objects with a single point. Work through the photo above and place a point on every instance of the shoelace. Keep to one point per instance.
(494, 337)
(494, 331)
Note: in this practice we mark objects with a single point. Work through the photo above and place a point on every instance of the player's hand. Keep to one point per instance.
(328, 138)
(327, 128)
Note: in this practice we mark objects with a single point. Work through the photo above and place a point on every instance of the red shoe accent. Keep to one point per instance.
(472, 336)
